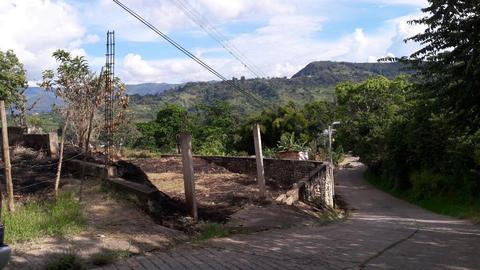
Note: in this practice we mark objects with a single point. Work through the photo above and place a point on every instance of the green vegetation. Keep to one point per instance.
(452, 205)
(316, 82)
(12, 77)
(216, 131)
(34, 219)
(47, 122)
(421, 137)
(68, 261)
(211, 230)
(108, 257)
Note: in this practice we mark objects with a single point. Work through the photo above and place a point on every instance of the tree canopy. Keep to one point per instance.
(12, 77)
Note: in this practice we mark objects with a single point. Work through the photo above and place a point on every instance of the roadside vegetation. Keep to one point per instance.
(420, 136)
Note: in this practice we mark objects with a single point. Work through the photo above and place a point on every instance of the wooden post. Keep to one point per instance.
(6, 157)
(60, 160)
(259, 155)
(188, 176)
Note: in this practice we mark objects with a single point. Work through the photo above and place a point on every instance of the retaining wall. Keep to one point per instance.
(284, 171)
(45, 141)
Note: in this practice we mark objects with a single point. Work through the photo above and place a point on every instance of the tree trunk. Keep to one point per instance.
(87, 142)
(60, 160)
(6, 157)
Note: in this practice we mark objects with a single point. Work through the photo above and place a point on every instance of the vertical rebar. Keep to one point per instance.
(109, 95)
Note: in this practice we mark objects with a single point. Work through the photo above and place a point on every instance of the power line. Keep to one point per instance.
(190, 55)
(203, 22)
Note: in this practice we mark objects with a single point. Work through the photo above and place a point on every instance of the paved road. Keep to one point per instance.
(382, 233)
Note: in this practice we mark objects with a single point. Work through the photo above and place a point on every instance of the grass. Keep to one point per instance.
(455, 206)
(34, 219)
(211, 230)
(108, 257)
(67, 261)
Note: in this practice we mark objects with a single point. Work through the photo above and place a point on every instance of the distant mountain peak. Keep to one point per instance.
(330, 72)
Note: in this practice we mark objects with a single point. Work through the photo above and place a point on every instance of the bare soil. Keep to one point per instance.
(112, 226)
(219, 192)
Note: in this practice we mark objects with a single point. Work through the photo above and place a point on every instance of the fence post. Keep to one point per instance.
(188, 176)
(6, 157)
(259, 156)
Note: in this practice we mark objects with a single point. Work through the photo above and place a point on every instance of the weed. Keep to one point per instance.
(108, 257)
(35, 219)
(211, 230)
(68, 261)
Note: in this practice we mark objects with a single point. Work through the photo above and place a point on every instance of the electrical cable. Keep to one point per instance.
(203, 23)
(190, 55)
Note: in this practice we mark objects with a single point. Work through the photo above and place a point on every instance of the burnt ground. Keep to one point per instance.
(219, 192)
(33, 172)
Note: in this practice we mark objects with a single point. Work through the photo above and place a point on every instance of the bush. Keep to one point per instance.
(426, 184)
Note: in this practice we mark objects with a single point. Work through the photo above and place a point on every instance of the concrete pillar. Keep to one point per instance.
(188, 176)
(328, 186)
(53, 145)
(259, 156)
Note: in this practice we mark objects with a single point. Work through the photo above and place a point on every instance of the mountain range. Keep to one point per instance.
(316, 81)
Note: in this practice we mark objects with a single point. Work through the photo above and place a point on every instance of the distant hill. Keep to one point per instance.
(44, 100)
(148, 88)
(316, 81)
(328, 72)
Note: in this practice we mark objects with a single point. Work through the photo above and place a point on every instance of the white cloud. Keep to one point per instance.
(134, 69)
(169, 16)
(92, 39)
(36, 28)
(416, 3)
(281, 48)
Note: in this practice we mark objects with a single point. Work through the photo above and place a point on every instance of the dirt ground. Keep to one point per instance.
(219, 192)
(112, 225)
(117, 225)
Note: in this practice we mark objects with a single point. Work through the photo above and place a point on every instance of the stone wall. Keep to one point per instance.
(285, 172)
(317, 187)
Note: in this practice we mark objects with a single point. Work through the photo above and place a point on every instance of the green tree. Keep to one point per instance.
(449, 61)
(214, 129)
(273, 123)
(164, 132)
(367, 110)
(12, 77)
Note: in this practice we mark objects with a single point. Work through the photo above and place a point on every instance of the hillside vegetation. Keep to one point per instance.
(313, 83)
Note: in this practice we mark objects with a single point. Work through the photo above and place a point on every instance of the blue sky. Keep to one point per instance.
(278, 36)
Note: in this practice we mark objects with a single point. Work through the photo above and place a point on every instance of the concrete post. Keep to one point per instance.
(259, 156)
(188, 176)
(329, 186)
(53, 145)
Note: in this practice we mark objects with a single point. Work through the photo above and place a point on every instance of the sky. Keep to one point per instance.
(276, 37)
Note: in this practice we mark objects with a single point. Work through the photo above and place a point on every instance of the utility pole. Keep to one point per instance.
(259, 157)
(6, 157)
